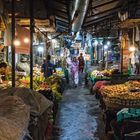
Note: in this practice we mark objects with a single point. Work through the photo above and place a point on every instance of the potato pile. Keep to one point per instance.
(133, 85)
(123, 94)
(114, 90)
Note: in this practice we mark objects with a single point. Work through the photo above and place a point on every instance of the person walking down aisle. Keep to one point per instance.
(81, 63)
(47, 67)
(74, 66)
(81, 68)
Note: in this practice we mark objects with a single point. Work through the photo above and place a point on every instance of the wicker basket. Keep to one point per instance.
(121, 103)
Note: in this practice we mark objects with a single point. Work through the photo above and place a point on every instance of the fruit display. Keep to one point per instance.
(36, 71)
(114, 90)
(54, 82)
(41, 84)
(103, 74)
(96, 73)
(127, 94)
(59, 73)
(133, 85)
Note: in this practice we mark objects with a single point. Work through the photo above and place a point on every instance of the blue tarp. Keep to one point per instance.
(128, 113)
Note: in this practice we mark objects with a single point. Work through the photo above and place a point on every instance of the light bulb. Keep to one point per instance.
(17, 42)
(40, 49)
(105, 47)
(96, 42)
(132, 49)
(26, 40)
(108, 43)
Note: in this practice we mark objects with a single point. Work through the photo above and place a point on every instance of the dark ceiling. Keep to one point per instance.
(43, 9)
(100, 13)
(62, 14)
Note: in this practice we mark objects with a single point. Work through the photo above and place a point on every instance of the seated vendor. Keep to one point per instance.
(3, 70)
(23, 66)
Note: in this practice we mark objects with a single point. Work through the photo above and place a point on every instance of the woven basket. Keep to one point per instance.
(121, 103)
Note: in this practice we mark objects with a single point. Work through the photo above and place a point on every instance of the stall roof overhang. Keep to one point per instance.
(43, 9)
(62, 14)
(42, 13)
(101, 10)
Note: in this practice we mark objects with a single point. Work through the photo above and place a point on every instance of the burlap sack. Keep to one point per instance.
(14, 118)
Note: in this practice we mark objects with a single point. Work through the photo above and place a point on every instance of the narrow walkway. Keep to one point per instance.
(78, 116)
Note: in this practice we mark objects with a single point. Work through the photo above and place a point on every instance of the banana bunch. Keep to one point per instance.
(57, 95)
(59, 73)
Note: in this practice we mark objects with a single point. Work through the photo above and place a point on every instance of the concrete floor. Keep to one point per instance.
(79, 116)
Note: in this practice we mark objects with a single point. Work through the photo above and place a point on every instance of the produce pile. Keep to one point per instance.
(36, 71)
(127, 94)
(114, 90)
(133, 85)
(102, 74)
(54, 82)
(38, 83)
(59, 73)
(41, 84)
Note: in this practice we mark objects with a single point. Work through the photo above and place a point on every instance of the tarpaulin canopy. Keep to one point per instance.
(21, 34)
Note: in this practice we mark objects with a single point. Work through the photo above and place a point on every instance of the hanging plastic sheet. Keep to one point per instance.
(21, 34)
(7, 36)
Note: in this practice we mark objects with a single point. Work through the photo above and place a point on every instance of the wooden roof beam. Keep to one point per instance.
(104, 3)
(102, 17)
(61, 23)
(112, 9)
(61, 19)
(99, 20)
(60, 26)
(60, 11)
(98, 17)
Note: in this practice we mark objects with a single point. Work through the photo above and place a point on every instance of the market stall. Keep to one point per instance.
(114, 98)
(50, 90)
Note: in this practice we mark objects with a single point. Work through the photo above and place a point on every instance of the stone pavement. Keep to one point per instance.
(79, 116)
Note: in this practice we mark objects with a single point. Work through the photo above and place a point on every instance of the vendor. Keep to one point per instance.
(23, 66)
(47, 67)
(4, 70)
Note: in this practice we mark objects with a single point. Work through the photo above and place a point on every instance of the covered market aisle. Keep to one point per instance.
(69, 69)
(79, 116)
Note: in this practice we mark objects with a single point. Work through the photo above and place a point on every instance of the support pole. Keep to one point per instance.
(121, 60)
(7, 54)
(47, 47)
(91, 55)
(31, 5)
(13, 47)
(103, 52)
